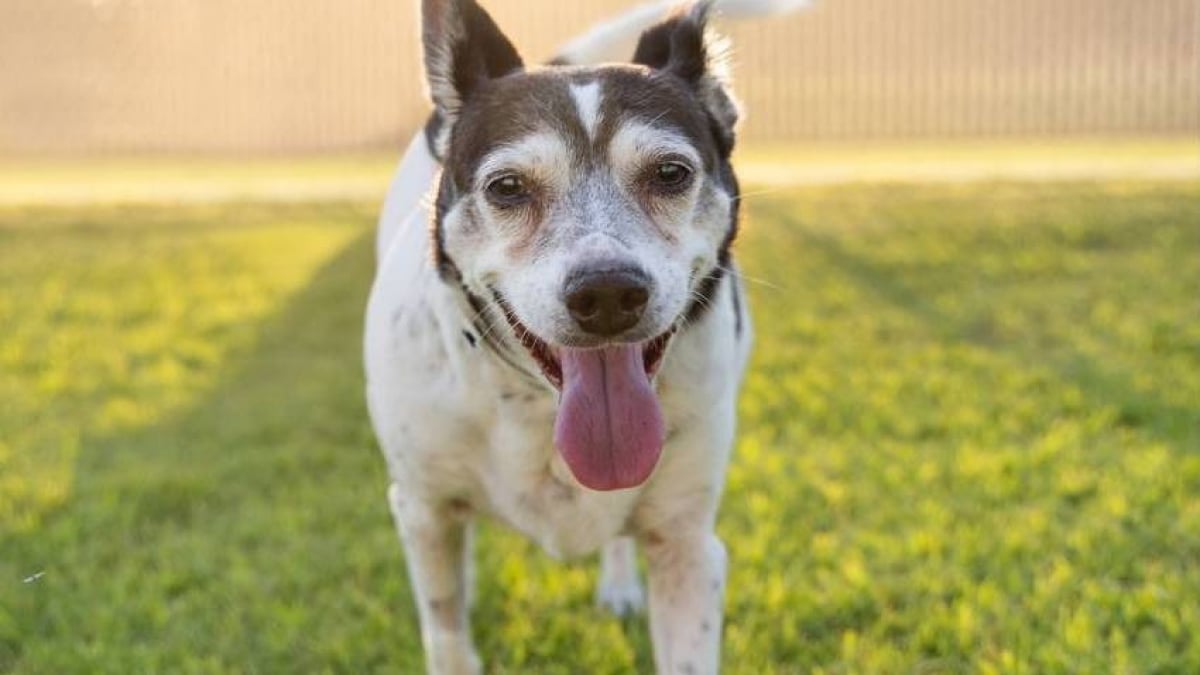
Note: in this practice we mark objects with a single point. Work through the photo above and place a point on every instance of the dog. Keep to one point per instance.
(556, 334)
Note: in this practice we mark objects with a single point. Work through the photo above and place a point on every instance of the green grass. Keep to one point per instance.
(970, 443)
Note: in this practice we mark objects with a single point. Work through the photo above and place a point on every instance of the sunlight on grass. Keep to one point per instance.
(970, 442)
(117, 319)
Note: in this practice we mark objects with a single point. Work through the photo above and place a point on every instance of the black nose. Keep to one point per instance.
(607, 302)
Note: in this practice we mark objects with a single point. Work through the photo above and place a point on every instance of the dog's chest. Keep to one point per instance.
(528, 485)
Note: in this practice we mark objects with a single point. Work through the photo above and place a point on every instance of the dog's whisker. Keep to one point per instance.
(488, 320)
(483, 307)
(490, 325)
(492, 320)
(768, 191)
(701, 300)
(737, 273)
(685, 323)
(658, 117)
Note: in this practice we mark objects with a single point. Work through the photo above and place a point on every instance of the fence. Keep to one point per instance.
(254, 76)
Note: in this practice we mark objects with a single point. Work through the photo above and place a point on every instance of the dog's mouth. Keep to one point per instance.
(610, 428)
(549, 358)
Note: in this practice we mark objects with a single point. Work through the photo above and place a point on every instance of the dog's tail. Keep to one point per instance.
(612, 40)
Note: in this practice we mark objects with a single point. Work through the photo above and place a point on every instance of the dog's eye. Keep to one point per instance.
(508, 190)
(671, 176)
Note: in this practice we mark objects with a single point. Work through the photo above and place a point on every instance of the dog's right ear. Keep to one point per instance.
(683, 46)
(463, 48)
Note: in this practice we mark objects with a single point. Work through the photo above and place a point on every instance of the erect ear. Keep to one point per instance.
(685, 47)
(463, 48)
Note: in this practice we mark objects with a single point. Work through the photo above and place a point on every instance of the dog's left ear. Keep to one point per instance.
(463, 49)
(685, 47)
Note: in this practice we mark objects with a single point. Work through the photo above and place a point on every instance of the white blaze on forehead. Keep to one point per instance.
(587, 103)
(542, 154)
(636, 143)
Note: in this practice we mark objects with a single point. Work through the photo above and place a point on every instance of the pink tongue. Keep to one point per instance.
(610, 428)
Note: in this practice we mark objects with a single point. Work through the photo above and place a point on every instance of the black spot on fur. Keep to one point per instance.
(470, 337)
(458, 507)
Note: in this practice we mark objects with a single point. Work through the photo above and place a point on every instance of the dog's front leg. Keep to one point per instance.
(687, 591)
(437, 550)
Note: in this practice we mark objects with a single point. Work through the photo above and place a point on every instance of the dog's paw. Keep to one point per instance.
(622, 599)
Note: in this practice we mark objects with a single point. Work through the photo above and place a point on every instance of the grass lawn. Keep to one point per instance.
(970, 443)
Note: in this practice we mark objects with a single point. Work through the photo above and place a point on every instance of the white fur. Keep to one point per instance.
(587, 102)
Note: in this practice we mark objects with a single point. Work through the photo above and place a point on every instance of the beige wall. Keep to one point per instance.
(247, 76)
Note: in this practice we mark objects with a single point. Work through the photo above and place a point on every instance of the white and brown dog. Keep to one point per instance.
(568, 358)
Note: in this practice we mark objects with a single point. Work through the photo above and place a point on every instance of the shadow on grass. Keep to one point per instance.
(247, 531)
(1103, 386)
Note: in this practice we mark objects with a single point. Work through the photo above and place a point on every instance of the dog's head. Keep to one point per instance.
(590, 207)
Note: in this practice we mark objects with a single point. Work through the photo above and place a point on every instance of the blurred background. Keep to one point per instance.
(969, 440)
(301, 76)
